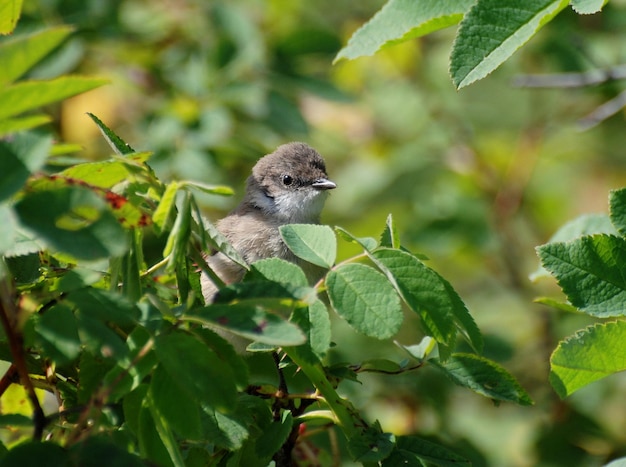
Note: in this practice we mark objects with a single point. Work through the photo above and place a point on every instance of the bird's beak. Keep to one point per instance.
(324, 184)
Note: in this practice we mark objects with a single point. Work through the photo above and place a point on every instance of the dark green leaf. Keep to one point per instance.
(591, 272)
(150, 443)
(198, 370)
(105, 306)
(316, 244)
(75, 221)
(371, 445)
(315, 323)
(411, 450)
(35, 453)
(484, 377)
(365, 299)
(389, 238)
(250, 322)
(95, 449)
(58, 334)
(172, 402)
(274, 436)
(23, 155)
(225, 430)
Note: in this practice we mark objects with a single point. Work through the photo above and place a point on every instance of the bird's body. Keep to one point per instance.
(288, 186)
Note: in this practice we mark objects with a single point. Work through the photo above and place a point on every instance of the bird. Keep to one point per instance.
(288, 186)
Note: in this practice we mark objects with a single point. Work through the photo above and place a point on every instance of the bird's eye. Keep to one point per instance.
(287, 180)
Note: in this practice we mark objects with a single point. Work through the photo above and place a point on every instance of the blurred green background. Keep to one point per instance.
(474, 179)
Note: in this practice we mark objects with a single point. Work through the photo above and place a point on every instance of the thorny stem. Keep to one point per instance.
(9, 317)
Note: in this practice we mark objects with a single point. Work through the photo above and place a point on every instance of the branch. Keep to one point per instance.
(571, 80)
(9, 317)
(604, 111)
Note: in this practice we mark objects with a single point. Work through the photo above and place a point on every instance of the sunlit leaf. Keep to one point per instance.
(316, 244)
(10, 11)
(28, 95)
(588, 7)
(365, 299)
(589, 355)
(591, 271)
(23, 52)
(492, 31)
(117, 144)
(401, 20)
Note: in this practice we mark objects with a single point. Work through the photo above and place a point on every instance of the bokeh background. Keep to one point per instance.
(474, 179)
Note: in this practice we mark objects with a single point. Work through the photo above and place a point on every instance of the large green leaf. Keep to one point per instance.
(30, 95)
(587, 356)
(492, 31)
(316, 244)
(401, 20)
(365, 299)
(23, 52)
(431, 296)
(197, 370)
(24, 154)
(58, 334)
(591, 272)
(617, 203)
(14, 125)
(75, 221)
(484, 377)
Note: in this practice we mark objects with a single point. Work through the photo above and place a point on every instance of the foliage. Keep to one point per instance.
(490, 31)
(122, 344)
(590, 270)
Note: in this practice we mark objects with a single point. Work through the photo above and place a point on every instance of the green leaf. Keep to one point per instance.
(588, 7)
(250, 322)
(389, 238)
(164, 212)
(617, 203)
(118, 145)
(209, 189)
(270, 294)
(105, 306)
(277, 270)
(411, 450)
(21, 156)
(8, 229)
(23, 52)
(492, 31)
(104, 174)
(13, 125)
(274, 436)
(197, 370)
(58, 334)
(213, 238)
(371, 445)
(30, 95)
(225, 430)
(75, 221)
(484, 377)
(431, 296)
(316, 244)
(46, 454)
(365, 299)
(367, 243)
(151, 444)
(401, 20)
(591, 272)
(315, 323)
(173, 404)
(129, 373)
(587, 224)
(92, 450)
(10, 11)
(99, 338)
(587, 356)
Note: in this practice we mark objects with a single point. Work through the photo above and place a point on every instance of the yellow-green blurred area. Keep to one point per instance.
(475, 179)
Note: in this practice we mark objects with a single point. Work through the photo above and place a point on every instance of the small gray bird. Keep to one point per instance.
(288, 186)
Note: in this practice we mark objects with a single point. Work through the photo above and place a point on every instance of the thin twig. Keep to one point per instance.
(571, 80)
